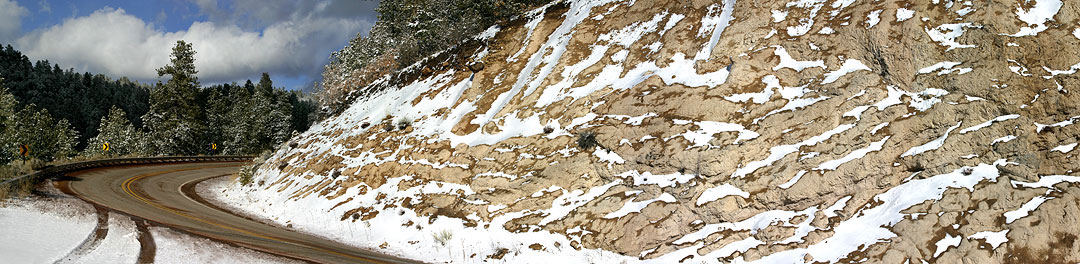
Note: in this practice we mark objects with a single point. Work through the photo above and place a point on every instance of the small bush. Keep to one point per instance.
(17, 168)
(917, 167)
(15, 190)
(587, 140)
(246, 174)
(443, 237)
(403, 123)
(967, 171)
(548, 129)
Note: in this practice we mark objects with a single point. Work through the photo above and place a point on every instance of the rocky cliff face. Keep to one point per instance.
(749, 130)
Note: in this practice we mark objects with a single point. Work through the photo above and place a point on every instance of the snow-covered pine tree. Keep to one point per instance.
(238, 133)
(173, 121)
(217, 118)
(48, 138)
(261, 106)
(272, 115)
(9, 147)
(122, 137)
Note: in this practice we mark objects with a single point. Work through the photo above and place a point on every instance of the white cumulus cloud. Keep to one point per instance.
(10, 19)
(113, 42)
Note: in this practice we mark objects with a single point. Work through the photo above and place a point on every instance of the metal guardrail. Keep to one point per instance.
(56, 170)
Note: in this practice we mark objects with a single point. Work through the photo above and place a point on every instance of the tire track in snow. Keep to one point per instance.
(147, 249)
(92, 241)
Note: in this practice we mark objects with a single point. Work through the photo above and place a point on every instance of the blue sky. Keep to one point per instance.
(235, 40)
(171, 15)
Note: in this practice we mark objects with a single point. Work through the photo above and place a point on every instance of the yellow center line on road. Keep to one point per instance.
(127, 187)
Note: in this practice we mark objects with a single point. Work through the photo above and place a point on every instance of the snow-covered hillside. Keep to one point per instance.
(729, 131)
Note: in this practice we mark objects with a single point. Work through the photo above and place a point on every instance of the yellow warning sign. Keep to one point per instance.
(105, 146)
(213, 146)
(24, 150)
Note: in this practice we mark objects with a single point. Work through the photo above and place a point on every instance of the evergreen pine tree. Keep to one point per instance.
(238, 132)
(279, 121)
(217, 116)
(303, 110)
(117, 131)
(265, 86)
(8, 147)
(48, 139)
(173, 121)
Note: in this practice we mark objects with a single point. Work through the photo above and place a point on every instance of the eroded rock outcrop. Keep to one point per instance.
(772, 131)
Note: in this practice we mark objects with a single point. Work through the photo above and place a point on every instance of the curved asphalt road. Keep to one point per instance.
(154, 192)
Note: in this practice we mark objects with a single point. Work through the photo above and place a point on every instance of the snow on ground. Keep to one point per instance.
(715, 193)
(947, 242)
(1068, 122)
(878, 127)
(793, 95)
(43, 231)
(716, 21)
(932, 145)
(778, 152)
(174, 247)
(661, 180)
(793, 180)
(51, 229)
(771, 83)
(706, 129)
(871, 225)
(608, 156)
(805, 23)
(943, 68)
(995, 239)
(752, 224)
(873, 18)
(635, 207)
(854, 155)
(849, 66)
(904, 14)
(1047, 181)
(1036, 17)
(1025, 209)
(1003, 139)
(121, 244)
(409, 235)
(1064, 148)
(786, 61)
(947, 34)
(988, 123)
